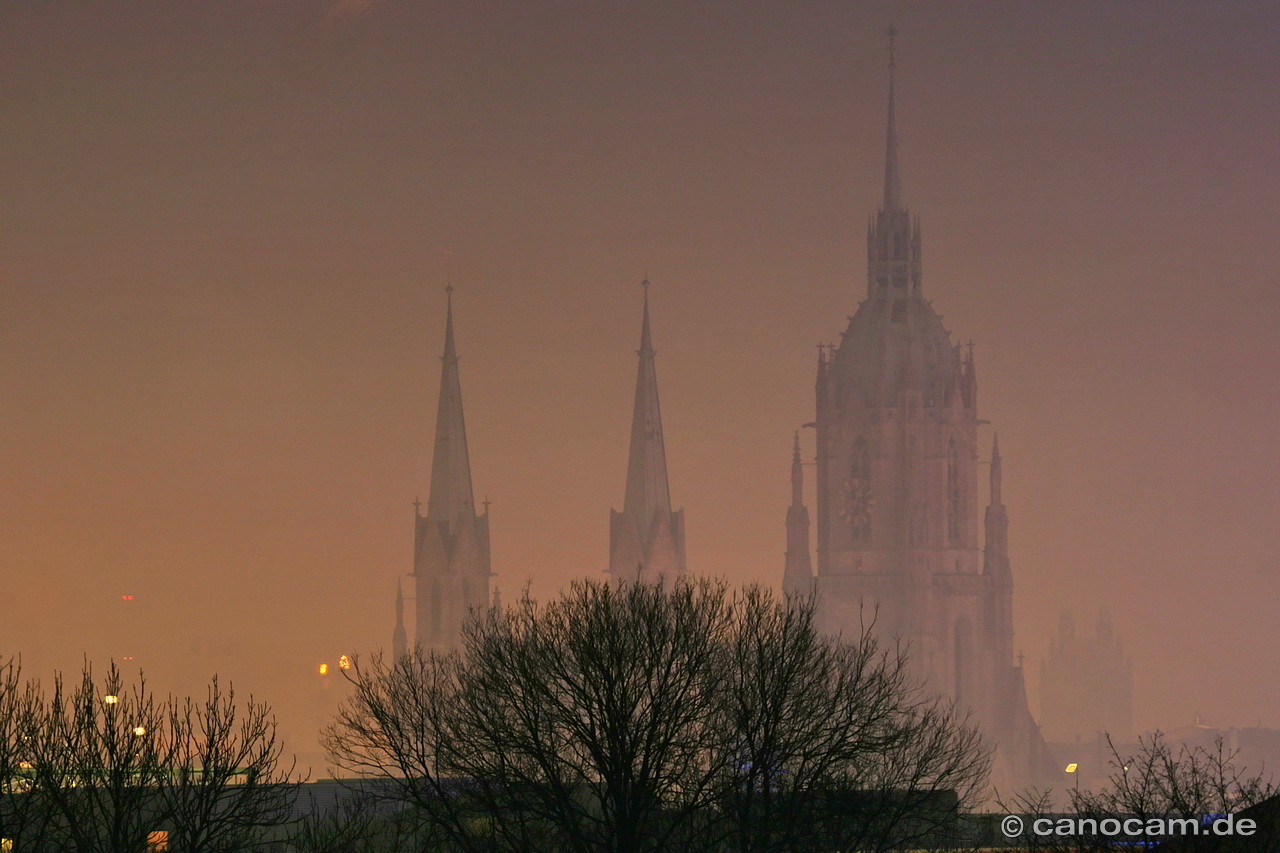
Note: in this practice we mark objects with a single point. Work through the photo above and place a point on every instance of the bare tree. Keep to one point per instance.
(224, 784)
(642, 717)
(1186, 783)
(112, 768)
(1172, 794)
(837, 747)
(22, 820)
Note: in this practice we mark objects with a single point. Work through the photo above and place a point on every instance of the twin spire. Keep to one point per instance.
(646, 539)
(647, 489)
(451, 495)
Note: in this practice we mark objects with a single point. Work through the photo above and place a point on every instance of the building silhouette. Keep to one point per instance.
(646, 539)
(451, 542)
(897, 495)
(1086, 684)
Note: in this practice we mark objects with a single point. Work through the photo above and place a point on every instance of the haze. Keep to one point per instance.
(226, 229)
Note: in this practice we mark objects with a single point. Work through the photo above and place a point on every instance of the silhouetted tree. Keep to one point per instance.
(837, 747)
(104, 766)
(1162, 782)
(641, 717)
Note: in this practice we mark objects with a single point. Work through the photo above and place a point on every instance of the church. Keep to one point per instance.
(897, 467)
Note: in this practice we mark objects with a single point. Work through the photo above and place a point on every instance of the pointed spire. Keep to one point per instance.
(647, 489)
(892, 180)
(797, 572)
(646, 341)
(996, 471)
(451, 496)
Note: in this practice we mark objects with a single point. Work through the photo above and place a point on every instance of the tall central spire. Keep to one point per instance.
(451, 494)
(647, 489)
(893, 239)
(892, 180)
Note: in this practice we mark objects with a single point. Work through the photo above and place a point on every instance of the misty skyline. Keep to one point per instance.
(224, 246)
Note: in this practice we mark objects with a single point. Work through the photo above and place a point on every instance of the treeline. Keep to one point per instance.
(625, 718)
(101, 767)
(640, 717)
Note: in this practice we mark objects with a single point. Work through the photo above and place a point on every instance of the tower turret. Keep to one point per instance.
(797, 576)
(451, 547)
(646, 539)
(995, 558)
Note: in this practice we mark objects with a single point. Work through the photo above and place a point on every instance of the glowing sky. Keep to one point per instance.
(223, 239)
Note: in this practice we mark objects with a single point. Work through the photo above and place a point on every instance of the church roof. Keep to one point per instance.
(893, 345)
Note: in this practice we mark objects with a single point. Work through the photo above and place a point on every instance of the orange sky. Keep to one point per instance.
(222, 246)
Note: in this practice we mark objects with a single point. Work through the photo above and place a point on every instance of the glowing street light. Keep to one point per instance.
(344, 662)
(324, 669)
(139, 730)
(110, 699)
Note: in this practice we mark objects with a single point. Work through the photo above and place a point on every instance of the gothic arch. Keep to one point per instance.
(861, 468)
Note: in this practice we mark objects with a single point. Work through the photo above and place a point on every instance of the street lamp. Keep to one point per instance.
(110, 699)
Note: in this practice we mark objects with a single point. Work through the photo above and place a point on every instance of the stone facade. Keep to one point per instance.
(898, 521)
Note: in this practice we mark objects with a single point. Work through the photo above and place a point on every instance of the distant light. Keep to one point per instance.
(110, 699)
(324, 669)
(24, 765)
(1071, 768)
(344, 662)
(127, 657)
(139, 730)
(127, 597)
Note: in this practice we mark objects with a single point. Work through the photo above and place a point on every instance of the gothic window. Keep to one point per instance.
(899, 252)
(856, 498)
(466, 595)
(861, 460)
(955, 501)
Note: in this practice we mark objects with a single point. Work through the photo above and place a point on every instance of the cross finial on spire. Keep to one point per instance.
(646, 343)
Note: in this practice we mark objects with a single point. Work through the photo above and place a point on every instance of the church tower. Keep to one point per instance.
(451, 542)
(646, 539)
(897, 492)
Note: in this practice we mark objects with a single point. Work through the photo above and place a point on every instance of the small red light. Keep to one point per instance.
(127, 597)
